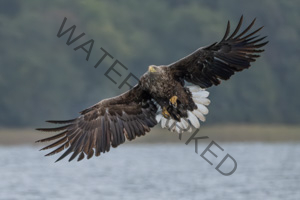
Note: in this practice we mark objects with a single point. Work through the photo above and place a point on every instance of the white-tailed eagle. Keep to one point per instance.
(160, 97)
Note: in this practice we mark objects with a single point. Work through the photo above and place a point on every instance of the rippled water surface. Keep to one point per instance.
(144, 171)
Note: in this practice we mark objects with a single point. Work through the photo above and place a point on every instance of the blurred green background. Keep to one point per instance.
(43, 78)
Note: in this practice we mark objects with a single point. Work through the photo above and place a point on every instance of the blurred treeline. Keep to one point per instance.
(43, 78)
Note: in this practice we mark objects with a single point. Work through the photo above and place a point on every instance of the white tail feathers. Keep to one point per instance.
(193, 119)
(199, 115)
(201, 100)
(202, 109)
(199, 96)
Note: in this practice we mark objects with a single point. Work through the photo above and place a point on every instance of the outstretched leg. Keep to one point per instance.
(165, 113)
(173, 101)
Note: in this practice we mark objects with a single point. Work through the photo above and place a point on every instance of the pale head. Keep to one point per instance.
(152, 68)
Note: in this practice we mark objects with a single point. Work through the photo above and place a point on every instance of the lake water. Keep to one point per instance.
(154, 171)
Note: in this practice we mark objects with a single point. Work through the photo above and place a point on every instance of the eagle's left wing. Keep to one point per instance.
(105, 124)
(207, 65)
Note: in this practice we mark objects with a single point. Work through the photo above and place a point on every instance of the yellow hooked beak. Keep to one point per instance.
(151, 68)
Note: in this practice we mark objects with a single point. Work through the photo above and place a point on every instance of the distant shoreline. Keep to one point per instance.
(225, 133)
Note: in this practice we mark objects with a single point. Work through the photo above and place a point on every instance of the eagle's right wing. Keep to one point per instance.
(207, 65)
(105, 124)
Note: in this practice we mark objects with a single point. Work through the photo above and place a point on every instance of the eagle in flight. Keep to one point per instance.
(159, 97)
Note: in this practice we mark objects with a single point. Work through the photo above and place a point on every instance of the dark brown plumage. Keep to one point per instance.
(207, 65)
(160, 91)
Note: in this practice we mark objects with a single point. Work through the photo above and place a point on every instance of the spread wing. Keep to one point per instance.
(207, 65)
(105, 124)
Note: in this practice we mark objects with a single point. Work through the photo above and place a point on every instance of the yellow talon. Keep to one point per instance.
(165, 113)
(173, 101)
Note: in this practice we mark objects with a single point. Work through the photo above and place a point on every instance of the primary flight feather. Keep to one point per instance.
(160, 97)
